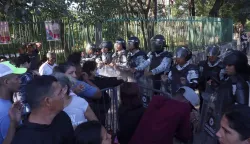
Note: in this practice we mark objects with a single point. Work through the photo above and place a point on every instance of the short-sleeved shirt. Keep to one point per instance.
(88, 91)
(46, 69)
(60, 131)
(5, 105)
(76, 110)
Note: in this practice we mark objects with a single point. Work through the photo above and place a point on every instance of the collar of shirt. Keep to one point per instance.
(157, 55)
(213, 65)
(71, 93)
(133, 53)
(122, 51)
(50, 66)
(181, 68)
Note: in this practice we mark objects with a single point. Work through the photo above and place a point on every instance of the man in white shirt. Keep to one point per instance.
(47, 67)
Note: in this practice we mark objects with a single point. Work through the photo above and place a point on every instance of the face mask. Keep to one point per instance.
(156, 46)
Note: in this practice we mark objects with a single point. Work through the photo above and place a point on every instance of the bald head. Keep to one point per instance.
(10, 83)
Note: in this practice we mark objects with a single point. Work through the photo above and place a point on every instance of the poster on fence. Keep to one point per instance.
(4, 33)
(52, 31)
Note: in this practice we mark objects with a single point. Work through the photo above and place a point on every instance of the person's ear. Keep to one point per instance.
(65, 89)
(47, 101)
(6, 81)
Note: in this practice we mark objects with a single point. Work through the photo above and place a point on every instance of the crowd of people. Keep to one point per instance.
(65, 103)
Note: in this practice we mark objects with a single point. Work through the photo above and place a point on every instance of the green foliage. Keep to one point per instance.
(203, 9)
(247, 26)
(238, 10)
(180, 8)
(25, 10)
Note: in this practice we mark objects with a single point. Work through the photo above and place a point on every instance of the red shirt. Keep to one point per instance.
(163, 120)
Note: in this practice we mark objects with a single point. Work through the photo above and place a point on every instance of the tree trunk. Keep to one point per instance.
(144, 35)
(64, 42)
(88, 35)
(98, 33)
(191, 8)
(127, 29)
(214, 12)
(155, 9)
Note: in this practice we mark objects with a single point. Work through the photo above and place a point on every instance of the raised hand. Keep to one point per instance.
(15, 112)
(78, 89)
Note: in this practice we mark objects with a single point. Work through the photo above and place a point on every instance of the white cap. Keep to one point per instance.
(191, 96)
(7, 68)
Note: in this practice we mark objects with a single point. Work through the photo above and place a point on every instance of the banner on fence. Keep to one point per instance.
(4, 33)
(52, 31)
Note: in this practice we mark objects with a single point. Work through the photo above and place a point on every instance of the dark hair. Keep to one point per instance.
(37, 89)
(89, 66)
(88, 133)
(22, 59)
(63, 80)
(130, 95)
(75, 58)
(239, 119)
(239, 60)
(3, 58)
(43, 60)
(63, 67)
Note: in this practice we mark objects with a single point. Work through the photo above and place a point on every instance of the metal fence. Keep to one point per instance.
(194, 32)
(106, 109)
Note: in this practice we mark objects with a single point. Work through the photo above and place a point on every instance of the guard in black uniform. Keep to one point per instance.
(183, 73)
(106, 56)
(136, 57)
(237, 69)
(91, 56)
(211, 71)
(119, 58)
(234, 90)
(159, 61)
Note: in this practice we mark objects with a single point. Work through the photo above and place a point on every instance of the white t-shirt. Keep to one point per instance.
(46, 69)
(76, 110)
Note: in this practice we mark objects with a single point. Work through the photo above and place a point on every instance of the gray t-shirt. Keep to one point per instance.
(76, 110)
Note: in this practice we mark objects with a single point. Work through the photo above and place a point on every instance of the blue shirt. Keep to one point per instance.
(88, 90)
(5, 105)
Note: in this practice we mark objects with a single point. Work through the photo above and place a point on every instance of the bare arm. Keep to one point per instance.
(11, 133)
(90, 115)
(15, 117)
(98, 93)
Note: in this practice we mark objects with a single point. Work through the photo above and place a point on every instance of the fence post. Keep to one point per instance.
(98, 33)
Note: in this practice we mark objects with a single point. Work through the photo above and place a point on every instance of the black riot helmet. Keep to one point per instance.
(107, 44)
(91, 47)
(183, 52)
(238, 59)
(158, 43)
(213, 51)
(122, 42)
(134, 41)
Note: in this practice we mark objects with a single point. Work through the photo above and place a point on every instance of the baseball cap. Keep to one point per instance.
(191, 96)
(7, 68)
